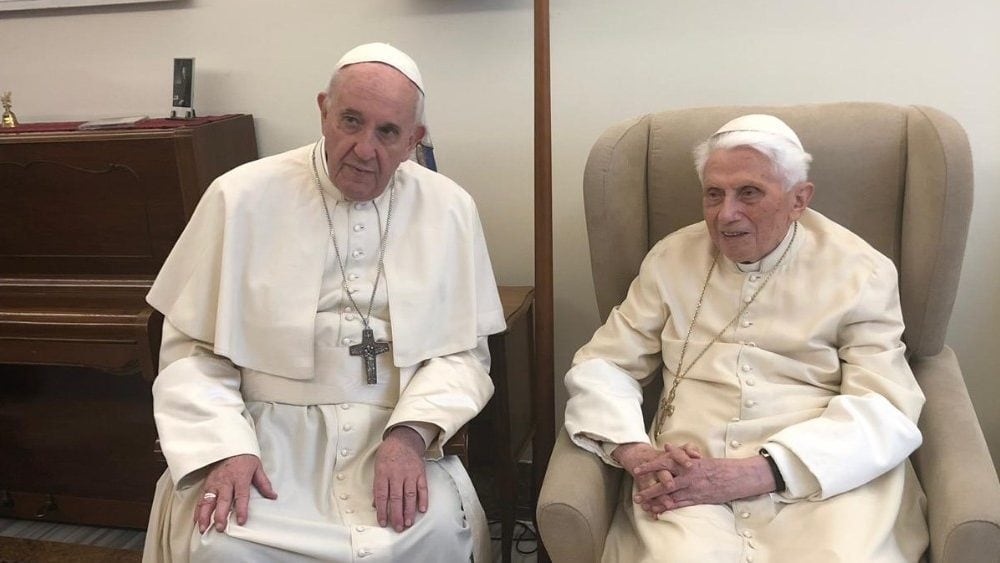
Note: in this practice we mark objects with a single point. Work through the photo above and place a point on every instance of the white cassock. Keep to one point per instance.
(814, 371)
(255, 361)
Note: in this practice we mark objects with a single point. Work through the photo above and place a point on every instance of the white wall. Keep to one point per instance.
(610, 61)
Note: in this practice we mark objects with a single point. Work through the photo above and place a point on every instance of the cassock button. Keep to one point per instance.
(349, 317)
(750, 403)
(358, 228)
(345, 406)
(357, 253)
(347, 427)
(360, 528)
(751, 381)
(735, 443)
(348, 309)
(744, 515)
(352, 276)
(746, 367)
(364, 552)
(349, 510)
(359, 205)
(754, 277)
(346, 340)
(341, 476)
(344, 496)
(746, 324)
(345, 452)
(748, 298)
(747, 534)
(752, 344)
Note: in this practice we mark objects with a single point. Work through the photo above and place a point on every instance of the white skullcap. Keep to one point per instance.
(761, 123)
(385, 54)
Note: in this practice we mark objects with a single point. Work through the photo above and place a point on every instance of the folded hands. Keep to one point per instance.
(680, 476)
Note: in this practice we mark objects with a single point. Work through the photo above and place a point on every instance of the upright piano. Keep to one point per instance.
(86, 220)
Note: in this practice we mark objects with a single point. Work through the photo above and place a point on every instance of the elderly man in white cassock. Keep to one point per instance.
(788, 409)
(326, 320)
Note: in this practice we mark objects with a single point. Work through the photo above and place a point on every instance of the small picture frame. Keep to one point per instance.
(183, 94)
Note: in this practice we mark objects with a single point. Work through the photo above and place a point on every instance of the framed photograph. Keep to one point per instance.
(183, 83)
(41, 4)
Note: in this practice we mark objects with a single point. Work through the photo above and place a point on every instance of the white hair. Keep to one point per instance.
(790, 162)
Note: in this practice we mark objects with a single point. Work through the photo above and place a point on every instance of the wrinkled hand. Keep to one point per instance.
(230, 480)
(669, 462)
(400, 487)
(707, 481)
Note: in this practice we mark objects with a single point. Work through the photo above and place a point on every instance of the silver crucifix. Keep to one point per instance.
(368, 349)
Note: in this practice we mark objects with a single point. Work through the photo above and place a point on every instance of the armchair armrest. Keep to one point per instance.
(576, 503)
(954, 467)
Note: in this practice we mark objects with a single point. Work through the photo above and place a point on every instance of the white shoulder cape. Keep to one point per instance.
(245, 274)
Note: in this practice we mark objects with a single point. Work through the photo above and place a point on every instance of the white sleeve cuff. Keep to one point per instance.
(605, 406)
(800, 483)
(428, 432)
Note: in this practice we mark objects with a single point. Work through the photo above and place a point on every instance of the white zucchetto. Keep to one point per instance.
(762, 123)
(385, 54)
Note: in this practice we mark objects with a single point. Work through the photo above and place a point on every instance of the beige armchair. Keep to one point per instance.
(900, 177)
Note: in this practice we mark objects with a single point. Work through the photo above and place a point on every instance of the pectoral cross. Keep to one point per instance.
(666, 409)
(368, 349)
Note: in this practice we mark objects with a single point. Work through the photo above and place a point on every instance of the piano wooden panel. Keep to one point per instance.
(108, 202)
(86, 221)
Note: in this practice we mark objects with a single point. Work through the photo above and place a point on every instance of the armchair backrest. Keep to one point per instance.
(900, 177)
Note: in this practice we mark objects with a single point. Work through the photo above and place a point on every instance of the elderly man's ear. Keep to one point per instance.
(803, 195)
(321, 101)
(418, 135)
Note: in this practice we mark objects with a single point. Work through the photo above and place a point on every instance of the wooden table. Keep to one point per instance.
(513, 419)
(498, 436)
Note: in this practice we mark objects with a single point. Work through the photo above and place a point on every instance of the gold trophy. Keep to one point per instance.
(9, 119)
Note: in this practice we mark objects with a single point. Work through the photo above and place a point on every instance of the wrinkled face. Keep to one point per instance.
(370, 126)
(746, 207)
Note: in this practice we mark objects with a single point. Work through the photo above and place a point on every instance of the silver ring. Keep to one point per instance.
(209, 496)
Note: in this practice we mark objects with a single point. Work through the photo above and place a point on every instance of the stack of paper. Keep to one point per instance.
(113, 122)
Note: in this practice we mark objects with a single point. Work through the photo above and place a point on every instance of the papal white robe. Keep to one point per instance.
(814, 371)
(255, 361)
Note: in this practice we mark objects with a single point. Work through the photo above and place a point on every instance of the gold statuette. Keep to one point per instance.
(9, 119)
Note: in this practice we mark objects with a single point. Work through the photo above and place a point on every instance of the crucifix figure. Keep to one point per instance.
(368, 349)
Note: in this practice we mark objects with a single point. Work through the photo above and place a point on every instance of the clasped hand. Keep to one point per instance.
(653, 472)
(679, 476)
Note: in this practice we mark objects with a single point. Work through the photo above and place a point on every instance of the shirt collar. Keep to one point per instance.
(323, 171)
(771, 259)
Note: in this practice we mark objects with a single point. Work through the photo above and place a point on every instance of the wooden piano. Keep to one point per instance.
(86, 221)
